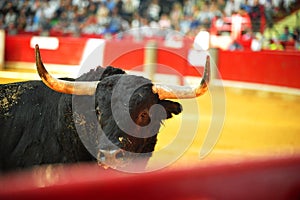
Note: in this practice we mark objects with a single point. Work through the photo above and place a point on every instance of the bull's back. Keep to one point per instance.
(28, 114)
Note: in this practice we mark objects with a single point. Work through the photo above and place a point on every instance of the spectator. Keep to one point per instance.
(176, 14)
(146, 31)
(269, 13)
(153, 10)
(22, 20)
(275, 45)
(2, 25)
(231, 7)
(115, 24)
(7, 7)
(246, 7)
(79, 3)
(92, 9)
(97, 16)
(256, 43)
(221, 5)
(119, 6)
(61, 8)
(91, 26)
(219, 22)
(205, 15)
(286, 35)
(188, 6)
(46, 26)
(36, 18)
(10, 17)
(235, 45)
(248, 35)
(215, 11)
(185, 24)
(136, 21)
(103, 15)
(164, 21)
(287, 5)
(167, 5)
(26, 6)
(80, 14)
(74, 28)
(255, 16)
(71, 12)
(196, 12)
(296, 37)
(128, 9)
(143, 7)
(11, 29)
(48, 9)
(62, 24)
(110, 4)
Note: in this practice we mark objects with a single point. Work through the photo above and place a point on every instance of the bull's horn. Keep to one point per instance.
(67, 87)
(184, 92)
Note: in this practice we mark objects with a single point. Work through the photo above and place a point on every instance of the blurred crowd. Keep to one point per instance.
(107, 17)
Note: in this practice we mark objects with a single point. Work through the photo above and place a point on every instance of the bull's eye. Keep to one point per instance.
(143, 118)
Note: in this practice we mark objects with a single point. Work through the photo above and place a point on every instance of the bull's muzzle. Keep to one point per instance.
(112, 158)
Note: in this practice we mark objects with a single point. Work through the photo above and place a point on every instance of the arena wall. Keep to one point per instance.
(277, 68)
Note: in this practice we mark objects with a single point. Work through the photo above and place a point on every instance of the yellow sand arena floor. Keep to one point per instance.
(256, 125)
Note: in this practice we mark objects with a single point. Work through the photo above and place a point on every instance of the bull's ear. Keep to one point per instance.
(171, 107)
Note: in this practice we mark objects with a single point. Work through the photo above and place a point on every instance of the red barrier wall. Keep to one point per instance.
(281, 68)
(69, 52)
(124, 54)
(130, 55)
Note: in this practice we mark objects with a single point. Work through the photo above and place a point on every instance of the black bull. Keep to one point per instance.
(47, 125)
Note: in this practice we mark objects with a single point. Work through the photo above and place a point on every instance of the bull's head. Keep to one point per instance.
(129, 109)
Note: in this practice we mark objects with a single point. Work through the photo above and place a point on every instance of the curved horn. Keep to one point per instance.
(184, 92)
(67, 87)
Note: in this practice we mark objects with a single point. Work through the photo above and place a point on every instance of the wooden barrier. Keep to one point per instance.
(69, 51)
(278, 68)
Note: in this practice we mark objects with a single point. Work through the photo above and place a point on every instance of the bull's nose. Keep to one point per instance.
(111, 157)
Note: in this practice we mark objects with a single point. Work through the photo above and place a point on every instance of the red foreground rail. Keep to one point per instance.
(269, 179)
